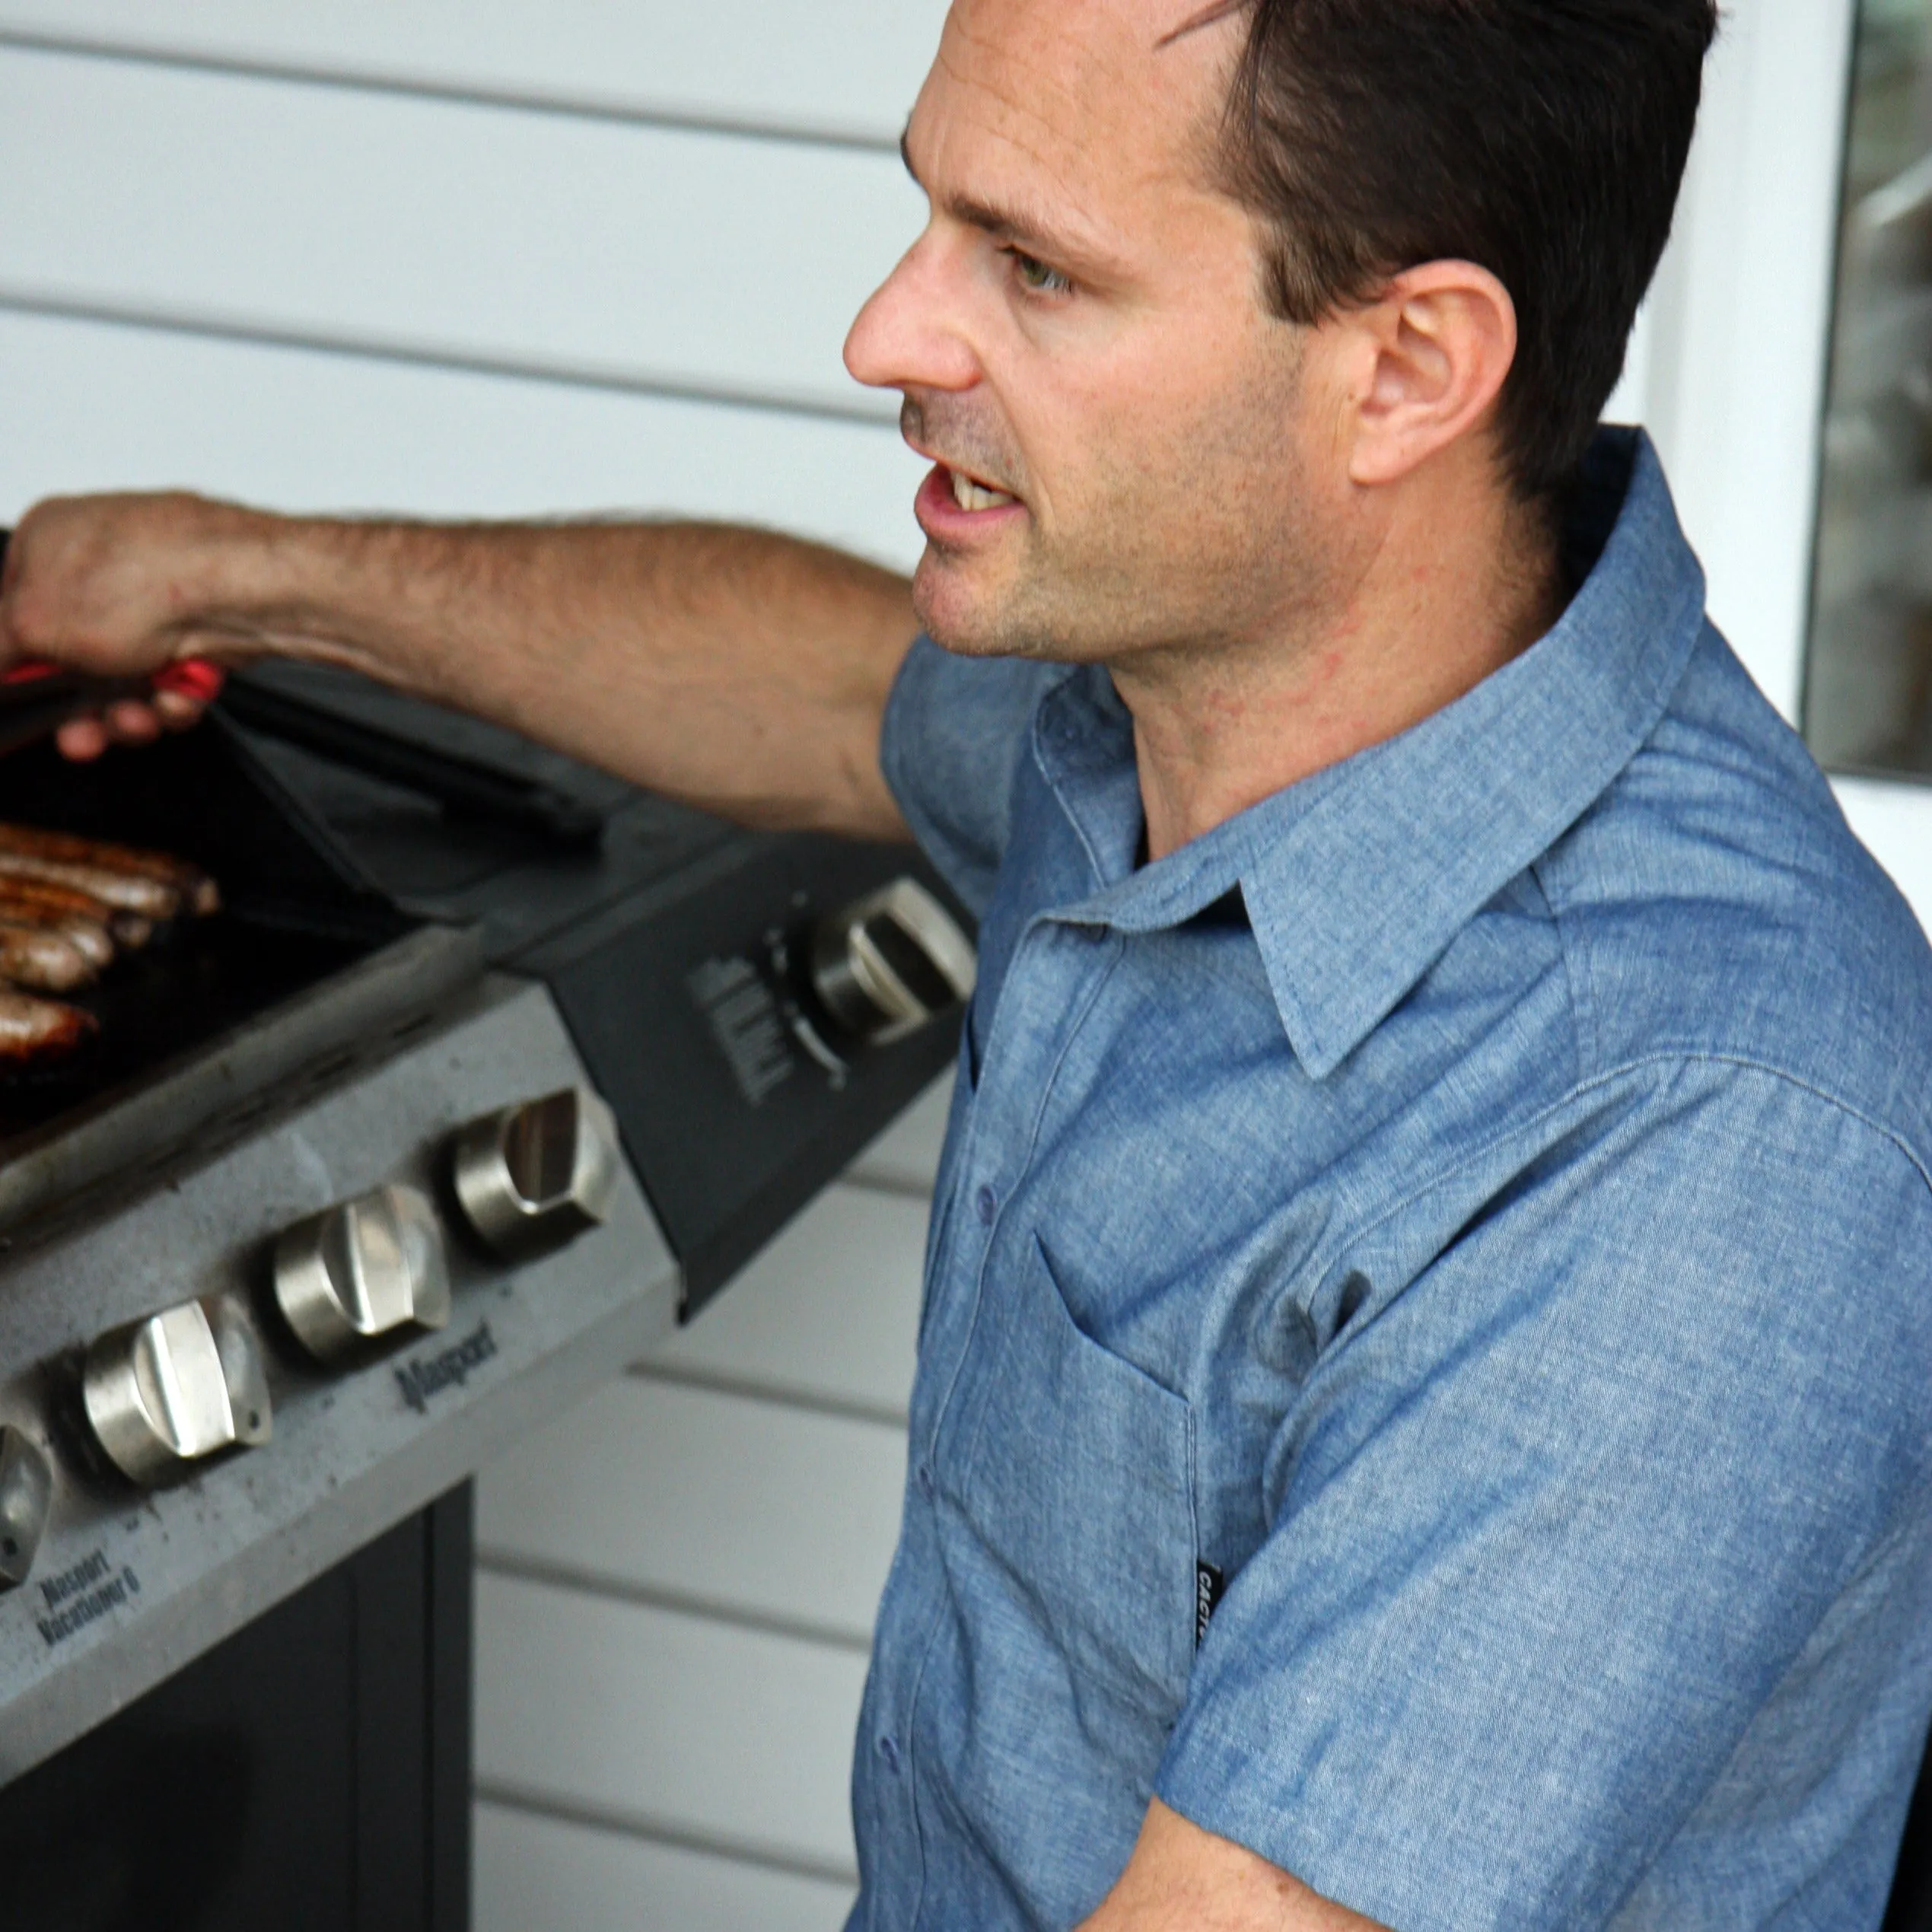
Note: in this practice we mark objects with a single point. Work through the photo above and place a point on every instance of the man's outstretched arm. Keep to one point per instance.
(1181, 1878)
(730, 668)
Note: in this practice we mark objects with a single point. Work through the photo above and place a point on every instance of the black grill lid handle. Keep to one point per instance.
(460, 785)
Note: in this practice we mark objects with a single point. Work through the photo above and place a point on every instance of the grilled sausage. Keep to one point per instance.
(90, 939)
(33, 1030)
(52, 901)
(78, 916)
(126, 892)
(44, 961)
(198, 892)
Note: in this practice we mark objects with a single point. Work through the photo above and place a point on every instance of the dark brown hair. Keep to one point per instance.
(1544, 140)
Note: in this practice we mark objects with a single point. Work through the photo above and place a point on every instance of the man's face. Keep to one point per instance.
(1118, 425)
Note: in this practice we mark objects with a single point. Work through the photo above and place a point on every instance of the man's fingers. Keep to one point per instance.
(132, 721)
(127, 721)
(176, 710)
(82, 739)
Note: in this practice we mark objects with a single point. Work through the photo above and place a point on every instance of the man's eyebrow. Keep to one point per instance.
(1211, 15)
(1029, 232)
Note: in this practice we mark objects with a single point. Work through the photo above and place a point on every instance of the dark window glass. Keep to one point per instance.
(1868, 681)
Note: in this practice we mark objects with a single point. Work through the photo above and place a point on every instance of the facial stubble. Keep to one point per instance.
(1203, 539)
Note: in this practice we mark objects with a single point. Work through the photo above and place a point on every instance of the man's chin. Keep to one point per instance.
(964, 613)
(982, 605)
(956, 614)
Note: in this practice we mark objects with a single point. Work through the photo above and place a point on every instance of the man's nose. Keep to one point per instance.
(913, 331)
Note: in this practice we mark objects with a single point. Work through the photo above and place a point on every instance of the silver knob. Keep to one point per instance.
(27, 1489)
(363, 1269)
(536, 1174)
(890, 962)
(177, 1386)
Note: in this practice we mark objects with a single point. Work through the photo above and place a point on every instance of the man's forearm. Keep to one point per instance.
(1181, 1878)
(731, 668)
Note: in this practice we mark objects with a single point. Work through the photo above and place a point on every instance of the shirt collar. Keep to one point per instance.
(1357, 880)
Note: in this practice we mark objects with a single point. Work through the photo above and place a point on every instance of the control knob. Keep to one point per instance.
(534, 1174)
(169, 1389)
(361, 1269)
(27, 1488)
(889, 962)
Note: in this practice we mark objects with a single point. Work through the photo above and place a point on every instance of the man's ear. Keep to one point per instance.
(1425, 362)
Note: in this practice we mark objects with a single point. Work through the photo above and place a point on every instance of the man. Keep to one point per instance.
(1422, 1414)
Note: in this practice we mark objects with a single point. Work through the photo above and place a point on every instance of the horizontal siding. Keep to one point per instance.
(844, 69)
(827, 1316)
(669, 1726)
(92, 406)
(750, 1509)
(675, 260)
(536, 1873)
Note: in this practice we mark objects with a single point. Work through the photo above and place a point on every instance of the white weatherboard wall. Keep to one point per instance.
(495, 259)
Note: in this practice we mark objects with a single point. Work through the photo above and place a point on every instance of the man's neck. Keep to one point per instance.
(1429, 614)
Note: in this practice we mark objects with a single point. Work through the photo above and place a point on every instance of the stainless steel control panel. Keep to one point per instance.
(237, 1375)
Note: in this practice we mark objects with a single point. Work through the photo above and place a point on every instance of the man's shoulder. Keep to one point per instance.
(1715, 905)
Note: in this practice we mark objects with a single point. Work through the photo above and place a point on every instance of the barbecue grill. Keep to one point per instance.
(490, 1069)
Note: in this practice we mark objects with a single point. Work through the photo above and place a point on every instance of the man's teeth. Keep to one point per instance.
(968, 496)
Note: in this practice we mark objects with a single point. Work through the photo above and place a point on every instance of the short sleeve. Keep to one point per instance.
(1553, 1524)
(954, 728)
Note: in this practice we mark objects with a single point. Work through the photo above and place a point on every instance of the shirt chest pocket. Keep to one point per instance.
(1078, 1485)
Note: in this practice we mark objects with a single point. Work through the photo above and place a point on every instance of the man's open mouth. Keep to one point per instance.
(970, 494)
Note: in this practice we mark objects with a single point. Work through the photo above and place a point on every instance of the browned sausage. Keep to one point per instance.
(33, 1030)
(126, 892)
(95, 942)
(45, 962)
(79, 916)
(39, 902)
(90, 939)
(199, 892)
(61, 901)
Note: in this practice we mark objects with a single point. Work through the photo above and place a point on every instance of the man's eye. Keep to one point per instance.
(1034, 274)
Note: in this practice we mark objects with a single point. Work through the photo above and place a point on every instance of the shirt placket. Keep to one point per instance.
(1055, 973)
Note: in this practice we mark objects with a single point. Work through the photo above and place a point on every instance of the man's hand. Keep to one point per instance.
(114, 585)
(98, 584)
(1181, 1878)
(733, 669)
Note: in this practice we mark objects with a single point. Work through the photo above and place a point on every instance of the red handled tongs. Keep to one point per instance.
(36, 698)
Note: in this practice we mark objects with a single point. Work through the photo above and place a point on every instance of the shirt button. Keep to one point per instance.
(888, 1750)
(987, 1203)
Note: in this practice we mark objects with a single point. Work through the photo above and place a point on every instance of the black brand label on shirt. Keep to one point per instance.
(1208, 1584)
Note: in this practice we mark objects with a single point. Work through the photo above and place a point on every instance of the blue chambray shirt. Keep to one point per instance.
(1476, 1202)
